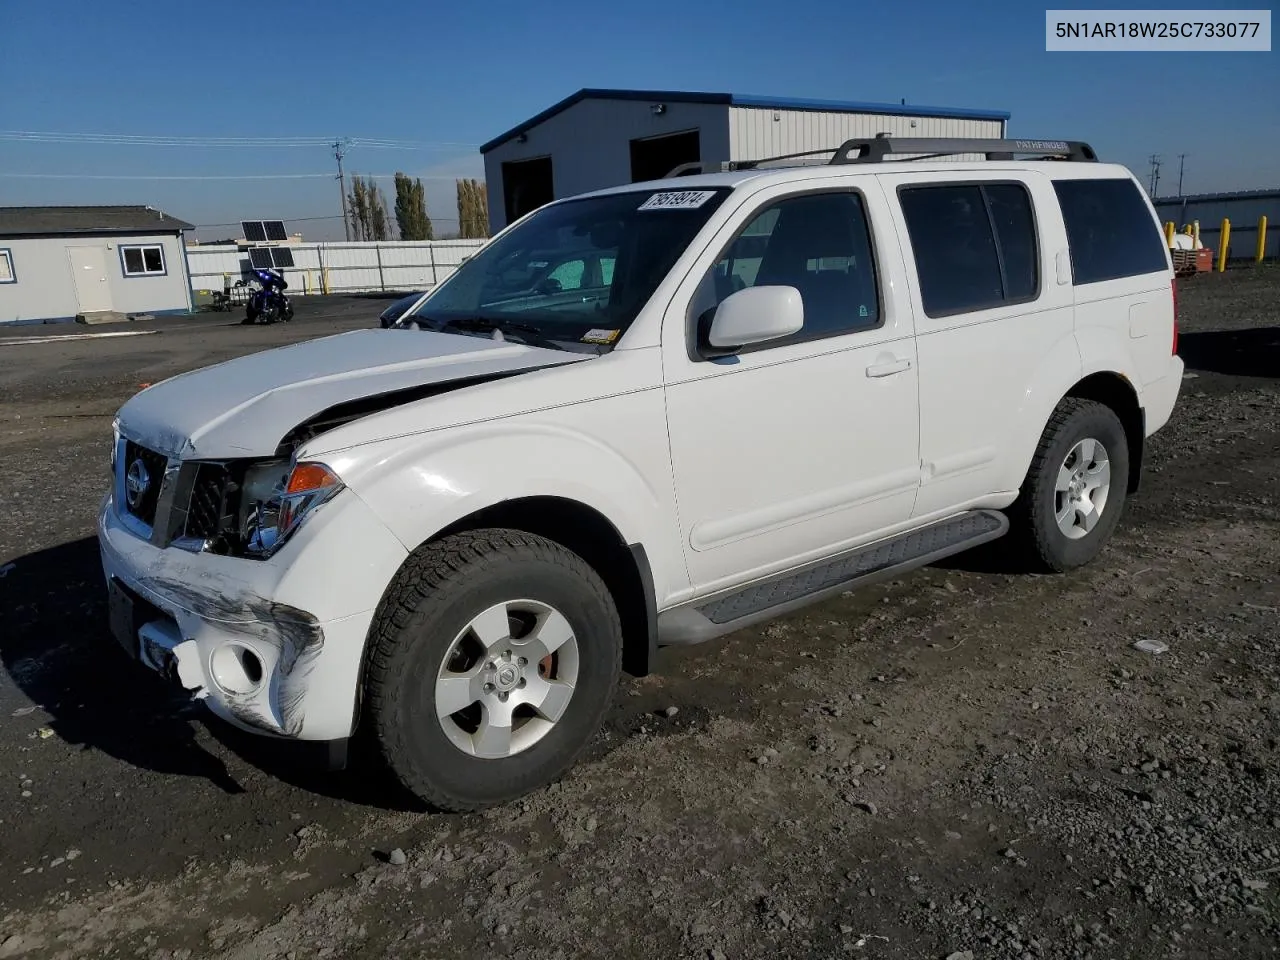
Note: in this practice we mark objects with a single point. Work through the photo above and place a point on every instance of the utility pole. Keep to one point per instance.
(1182, 158)
(1155, 174)
(340, 151)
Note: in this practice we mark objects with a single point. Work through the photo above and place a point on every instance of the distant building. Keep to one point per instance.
(601, 138)
(1243, 208)
(63, 262)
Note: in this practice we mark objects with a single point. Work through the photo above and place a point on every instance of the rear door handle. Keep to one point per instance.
(887, 368)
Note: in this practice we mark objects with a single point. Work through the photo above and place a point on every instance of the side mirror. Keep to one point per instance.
(549, 286)
(754, 315)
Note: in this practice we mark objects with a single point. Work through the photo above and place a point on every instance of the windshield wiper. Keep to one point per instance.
(523, 332)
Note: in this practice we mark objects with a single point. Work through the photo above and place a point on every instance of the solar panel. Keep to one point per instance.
(260, 257)
(282, 256)
(253, 230)
(274, 229)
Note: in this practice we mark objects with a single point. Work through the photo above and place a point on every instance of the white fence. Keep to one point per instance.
(341, 267)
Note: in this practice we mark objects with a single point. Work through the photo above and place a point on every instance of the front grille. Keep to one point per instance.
(208, 511)
(143, 476)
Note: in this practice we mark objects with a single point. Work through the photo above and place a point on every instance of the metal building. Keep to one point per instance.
(601, 138)
(58, 263)
(1244, 208)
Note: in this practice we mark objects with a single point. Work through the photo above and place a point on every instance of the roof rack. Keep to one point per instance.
(700, 166)
(877, 149)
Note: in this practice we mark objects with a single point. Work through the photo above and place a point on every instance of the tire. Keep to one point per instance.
(424, 626)
(1035, 530)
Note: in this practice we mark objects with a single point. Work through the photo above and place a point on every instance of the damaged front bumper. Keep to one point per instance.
(273, 647)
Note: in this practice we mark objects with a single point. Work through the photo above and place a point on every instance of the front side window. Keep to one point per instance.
(1110, 230)
(575, 274)
(7, 274)
(820, 244)
(974, 245)
(142, 261)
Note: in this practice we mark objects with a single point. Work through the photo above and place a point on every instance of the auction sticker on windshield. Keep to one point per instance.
(679, 200)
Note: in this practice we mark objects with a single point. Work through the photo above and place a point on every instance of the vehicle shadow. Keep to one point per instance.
(1253, 352)
(57, 649)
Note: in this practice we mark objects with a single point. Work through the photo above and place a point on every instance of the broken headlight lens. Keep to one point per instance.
(275, 502)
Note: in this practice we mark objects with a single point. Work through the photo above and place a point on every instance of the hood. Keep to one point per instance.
(245, 407)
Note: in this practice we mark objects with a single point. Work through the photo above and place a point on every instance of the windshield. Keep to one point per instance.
(575, 273)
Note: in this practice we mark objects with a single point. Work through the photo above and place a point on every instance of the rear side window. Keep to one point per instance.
(1110, 230)
(974, 245)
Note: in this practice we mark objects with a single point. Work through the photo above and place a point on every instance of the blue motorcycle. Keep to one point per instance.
(268, 303)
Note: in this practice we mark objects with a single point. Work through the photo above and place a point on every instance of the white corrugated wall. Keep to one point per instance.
(350, 267)
(756, 132)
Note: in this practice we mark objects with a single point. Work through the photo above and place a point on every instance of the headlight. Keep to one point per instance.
(274, 503)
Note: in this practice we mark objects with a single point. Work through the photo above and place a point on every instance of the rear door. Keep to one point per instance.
(990, 305)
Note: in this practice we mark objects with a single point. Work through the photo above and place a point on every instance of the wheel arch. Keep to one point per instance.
(1116, 392)
(624, 567)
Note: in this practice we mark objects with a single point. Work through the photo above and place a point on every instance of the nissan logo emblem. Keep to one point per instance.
(136, 482)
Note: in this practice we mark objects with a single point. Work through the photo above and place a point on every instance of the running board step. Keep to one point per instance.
(711, 617)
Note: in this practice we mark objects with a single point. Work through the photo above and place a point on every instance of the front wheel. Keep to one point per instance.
(1074, 492)
(493, 660)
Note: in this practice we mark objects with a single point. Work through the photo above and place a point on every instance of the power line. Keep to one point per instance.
(203, 176)
(166, 140)
(205, 141)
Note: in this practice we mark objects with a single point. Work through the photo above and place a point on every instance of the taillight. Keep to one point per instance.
(1174, 285)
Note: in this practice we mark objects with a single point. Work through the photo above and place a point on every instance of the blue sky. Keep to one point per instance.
(447, 77)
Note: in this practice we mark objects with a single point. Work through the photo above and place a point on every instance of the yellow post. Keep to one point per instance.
(1195, 230)
(324, 280)
(1168, 233)
(1262, 238)
(1224, 240)
(1187, 229)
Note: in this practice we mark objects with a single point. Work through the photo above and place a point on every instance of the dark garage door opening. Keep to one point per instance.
(526, 186)
(654, 157)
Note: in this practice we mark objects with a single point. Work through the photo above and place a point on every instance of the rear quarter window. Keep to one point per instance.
(1110, 230)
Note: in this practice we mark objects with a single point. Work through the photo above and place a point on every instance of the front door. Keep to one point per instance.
(89, 272)
(796, 448)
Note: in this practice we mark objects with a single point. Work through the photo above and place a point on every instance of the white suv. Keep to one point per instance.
(745, 391)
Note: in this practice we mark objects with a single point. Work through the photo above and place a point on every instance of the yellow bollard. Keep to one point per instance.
(1195, 230)
(1168, 233)
(1187, 229)
(1262, 238)
(1224, 240)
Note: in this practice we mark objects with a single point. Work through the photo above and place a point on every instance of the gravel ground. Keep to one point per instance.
(963, 764)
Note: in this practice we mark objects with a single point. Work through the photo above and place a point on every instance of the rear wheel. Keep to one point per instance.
(1074, 493)
(493, 660)
(270, 312)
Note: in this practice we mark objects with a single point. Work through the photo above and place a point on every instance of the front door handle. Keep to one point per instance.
(887, 368)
